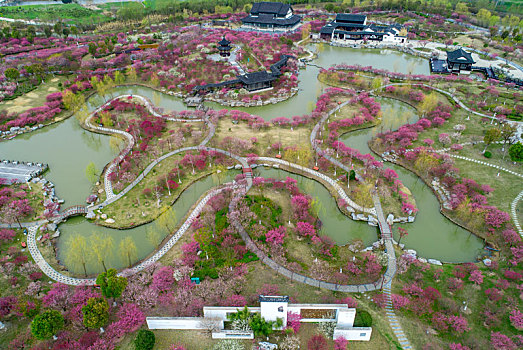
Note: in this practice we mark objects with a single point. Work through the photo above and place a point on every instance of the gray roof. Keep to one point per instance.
(460, 56)
(273, 298)
(256, 77)
(350, 18)
(270, 19)
(274, 8)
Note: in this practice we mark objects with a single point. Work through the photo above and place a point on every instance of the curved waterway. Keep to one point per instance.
(432, 235)
(335, 224)
(67, 148)
(79, 225)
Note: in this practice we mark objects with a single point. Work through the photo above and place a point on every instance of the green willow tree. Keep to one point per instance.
(127, 250)
(91, 172)
(78, 253)
(101, 247)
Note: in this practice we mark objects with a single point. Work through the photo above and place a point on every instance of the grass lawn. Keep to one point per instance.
(136, 208)
(503, 185)
(265, 137)
(35, 98)
(69, 13)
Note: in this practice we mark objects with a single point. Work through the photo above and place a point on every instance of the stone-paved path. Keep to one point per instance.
(513, 207)
(386, 233)
(351, 205)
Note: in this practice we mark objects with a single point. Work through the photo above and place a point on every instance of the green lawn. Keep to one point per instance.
(69, 13)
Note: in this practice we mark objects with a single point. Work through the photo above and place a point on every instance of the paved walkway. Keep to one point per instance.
(386, 233)
(513, 207)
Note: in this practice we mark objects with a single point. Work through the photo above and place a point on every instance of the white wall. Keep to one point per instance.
(221, 312)
(175, 322)
(346, 317)
(360, 333)
(230, 334)
(270, 311)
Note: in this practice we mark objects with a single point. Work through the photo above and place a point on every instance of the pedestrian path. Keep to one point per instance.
(513, 213)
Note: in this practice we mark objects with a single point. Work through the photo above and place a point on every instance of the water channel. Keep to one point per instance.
(68, 149)
(432, 235)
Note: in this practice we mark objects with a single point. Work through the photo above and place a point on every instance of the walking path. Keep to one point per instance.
(386, 234)
(513, 208)
(351, 205)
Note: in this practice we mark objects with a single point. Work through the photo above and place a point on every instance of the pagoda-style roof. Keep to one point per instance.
(460, 56)
(270, 19)
(224, 42)
(273, 8)
(256, 77)
(350, 18)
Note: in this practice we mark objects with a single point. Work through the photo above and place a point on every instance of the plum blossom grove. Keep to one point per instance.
(469, 305)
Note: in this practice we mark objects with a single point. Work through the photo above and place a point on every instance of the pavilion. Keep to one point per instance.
(224, 47)
(251, 81)
(459, 60)
(271, 16)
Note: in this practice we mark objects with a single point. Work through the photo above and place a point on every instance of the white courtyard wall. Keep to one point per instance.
(359, 333)
(175, 323)
(220, 312)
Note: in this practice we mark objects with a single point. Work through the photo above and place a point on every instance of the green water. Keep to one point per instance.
(79, 225)
(335, 224)
(432, 235)
(68, 149)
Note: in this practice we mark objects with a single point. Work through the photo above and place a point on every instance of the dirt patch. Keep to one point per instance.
(318, 313)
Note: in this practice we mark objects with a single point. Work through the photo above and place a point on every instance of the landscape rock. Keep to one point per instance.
(109, 221)
(435, 262)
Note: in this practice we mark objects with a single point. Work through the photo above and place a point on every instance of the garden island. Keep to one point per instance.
(260, 175)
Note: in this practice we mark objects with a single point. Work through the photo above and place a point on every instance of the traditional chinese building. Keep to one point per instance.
(224, 47)
(251, 81)
(459, 60)
(272, 16)
(272, 308)
(351, 27)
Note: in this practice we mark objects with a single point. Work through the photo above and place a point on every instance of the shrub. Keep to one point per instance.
(144, 340)
(487, 154)
(362, 319)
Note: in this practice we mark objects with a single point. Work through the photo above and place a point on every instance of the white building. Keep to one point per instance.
(272, 307)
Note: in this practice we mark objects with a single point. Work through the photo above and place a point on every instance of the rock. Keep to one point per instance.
(238, 167)
(254, 166)
(103, 216)
(412, 252)
(390, 219)
(423, 260)
(361, 217)
(101, 190)
(39, 237)
(402, 246)
(90, 215)
(276, 166)
(487, 262)
(51, 227)
(435, 262)
(56, 234)
(109, 221)
(410, 219)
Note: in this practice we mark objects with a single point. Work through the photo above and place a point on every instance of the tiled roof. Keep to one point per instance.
(460, 56)
(275, 8)
(350, 18)
(273, 298)
(269, 19)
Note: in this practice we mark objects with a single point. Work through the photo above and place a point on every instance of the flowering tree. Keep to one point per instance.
(293, 321)
(476, 277)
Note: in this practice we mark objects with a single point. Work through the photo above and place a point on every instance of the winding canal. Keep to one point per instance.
(432, 235)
